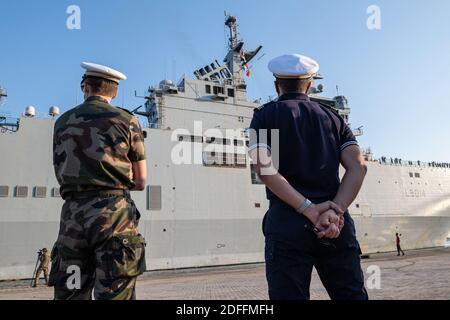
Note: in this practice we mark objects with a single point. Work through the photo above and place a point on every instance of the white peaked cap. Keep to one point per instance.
(97, 70)
(294, 66)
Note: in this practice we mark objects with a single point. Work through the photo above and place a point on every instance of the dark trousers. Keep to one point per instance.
(399, 249)
(292, 251)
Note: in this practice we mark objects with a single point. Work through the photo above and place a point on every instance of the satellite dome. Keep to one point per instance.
(30, 111)
(166, 83)
(54, 111)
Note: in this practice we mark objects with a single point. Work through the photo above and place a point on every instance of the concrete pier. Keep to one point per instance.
(420, 275)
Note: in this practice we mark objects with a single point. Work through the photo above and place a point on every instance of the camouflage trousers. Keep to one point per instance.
(99, 250)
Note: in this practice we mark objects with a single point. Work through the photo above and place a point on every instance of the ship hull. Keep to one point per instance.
(207, 216)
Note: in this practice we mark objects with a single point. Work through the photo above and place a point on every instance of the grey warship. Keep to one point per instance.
(209, 212)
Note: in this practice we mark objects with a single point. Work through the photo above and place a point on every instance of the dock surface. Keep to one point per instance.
(420, 275)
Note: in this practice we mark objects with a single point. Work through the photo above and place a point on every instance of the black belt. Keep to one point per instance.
(75, 195)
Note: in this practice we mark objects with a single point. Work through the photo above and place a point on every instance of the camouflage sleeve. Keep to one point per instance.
(55, 156)
(54, 145)
(137, 148)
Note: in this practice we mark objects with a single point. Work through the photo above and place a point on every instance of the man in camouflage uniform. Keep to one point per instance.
(99, 157)
(44, 262)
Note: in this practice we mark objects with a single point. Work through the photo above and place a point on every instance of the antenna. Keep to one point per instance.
(174, 70)
(337, 90)
(165, 68)
(3, 95)
(231, 23)
(261, 56)
(143, 97)
(123, 97)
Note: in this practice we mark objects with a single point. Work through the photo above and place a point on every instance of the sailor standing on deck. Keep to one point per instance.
(297, 146)
(99, 157)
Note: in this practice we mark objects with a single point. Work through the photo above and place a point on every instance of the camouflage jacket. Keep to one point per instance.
(94, 145)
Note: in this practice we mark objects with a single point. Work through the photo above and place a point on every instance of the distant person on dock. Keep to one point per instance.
(44, 262)
(399, 248)
(297, 145)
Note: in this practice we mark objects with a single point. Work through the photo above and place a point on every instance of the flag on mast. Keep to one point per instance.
(245, 65)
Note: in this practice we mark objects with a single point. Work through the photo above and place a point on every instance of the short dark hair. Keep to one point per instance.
(293, 85)
(101, 86)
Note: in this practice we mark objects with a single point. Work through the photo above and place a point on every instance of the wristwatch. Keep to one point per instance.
(304, 206)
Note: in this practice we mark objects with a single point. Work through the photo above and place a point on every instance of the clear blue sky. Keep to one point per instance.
(397, 79)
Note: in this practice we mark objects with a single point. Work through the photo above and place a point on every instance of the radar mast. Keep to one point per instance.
(236, 63)
(237, 58)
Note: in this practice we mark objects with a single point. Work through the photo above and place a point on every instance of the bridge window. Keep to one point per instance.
(417, 175)
(218, 90)
(21, 192)
(4, 191)
(185, 138)
(208, 89)
(56, 193)
(218, 140)
(40, 192)
(218, 159)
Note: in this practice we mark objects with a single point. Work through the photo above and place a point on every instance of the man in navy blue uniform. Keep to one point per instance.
(297, 146)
